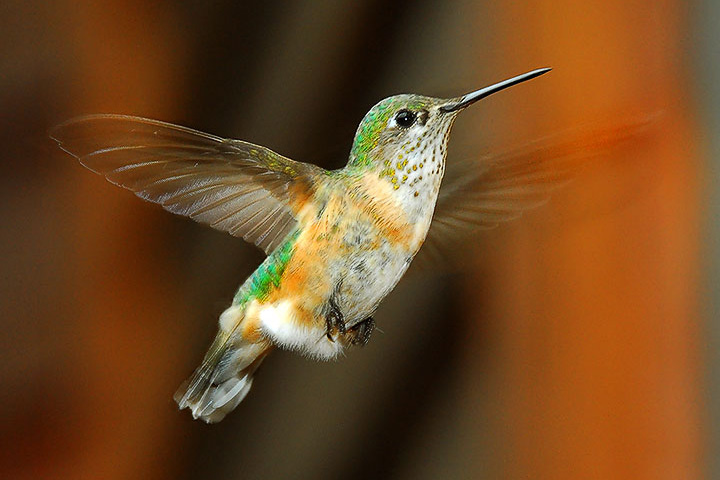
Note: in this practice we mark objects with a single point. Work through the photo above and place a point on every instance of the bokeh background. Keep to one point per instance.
(577, 342)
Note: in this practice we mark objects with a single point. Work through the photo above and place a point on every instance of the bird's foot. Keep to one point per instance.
(360, 333)
(334, 322)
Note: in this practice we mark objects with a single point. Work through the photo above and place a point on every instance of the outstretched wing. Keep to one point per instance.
(233, 186)
(499, 188)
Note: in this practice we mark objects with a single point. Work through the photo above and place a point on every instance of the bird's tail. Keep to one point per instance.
(225, 376)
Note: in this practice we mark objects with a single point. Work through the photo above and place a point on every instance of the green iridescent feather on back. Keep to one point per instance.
(267, 276)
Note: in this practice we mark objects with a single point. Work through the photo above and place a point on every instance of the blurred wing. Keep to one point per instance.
(233, 186)
(499, 188)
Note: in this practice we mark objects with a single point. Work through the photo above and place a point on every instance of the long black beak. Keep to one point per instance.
(470, 98)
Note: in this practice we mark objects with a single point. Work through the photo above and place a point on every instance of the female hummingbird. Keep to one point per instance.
(337, 241)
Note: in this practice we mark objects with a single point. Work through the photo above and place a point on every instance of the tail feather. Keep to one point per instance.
(223, 379)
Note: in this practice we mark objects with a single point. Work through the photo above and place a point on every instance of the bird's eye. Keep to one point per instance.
(405, 118)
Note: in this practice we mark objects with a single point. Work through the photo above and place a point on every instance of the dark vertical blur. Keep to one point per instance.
(569, 347)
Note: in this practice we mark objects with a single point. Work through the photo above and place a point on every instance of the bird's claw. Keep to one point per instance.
(334, 321)
(360, 333)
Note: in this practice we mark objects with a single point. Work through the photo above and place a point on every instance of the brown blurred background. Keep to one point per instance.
(579, 342)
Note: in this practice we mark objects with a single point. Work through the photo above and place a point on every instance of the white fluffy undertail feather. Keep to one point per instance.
(224, 378)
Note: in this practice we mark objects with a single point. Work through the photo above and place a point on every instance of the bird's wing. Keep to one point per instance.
(233, 186)
(498, 188)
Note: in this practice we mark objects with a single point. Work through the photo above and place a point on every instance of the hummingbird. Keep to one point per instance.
(337, 242)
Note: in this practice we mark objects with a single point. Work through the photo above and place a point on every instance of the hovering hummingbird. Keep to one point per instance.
(337, 242)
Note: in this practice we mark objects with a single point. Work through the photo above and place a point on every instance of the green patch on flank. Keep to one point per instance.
(267, 276)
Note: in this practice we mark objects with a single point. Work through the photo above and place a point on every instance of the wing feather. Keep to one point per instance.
(499, 188)
(233, 186)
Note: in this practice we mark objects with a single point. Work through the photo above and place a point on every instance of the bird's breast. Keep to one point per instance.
(354, 246)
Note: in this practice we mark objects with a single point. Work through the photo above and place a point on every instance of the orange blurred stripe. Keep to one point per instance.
(598, 317)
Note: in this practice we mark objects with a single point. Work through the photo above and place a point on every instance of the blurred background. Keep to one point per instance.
(578, 342)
